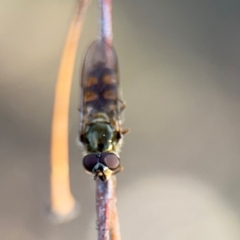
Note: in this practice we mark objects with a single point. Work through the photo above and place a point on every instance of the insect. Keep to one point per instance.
(101, 107)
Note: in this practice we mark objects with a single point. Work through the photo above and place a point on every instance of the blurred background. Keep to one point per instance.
(180, 67)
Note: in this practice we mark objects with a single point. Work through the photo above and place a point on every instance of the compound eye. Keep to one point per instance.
(89, 162)
(110, 160)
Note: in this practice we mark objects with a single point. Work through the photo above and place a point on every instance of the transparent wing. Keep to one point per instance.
(99, 93)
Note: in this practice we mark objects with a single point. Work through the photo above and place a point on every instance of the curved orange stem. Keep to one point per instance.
(62, 201)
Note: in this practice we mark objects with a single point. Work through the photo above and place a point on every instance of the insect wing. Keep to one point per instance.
(99, 92)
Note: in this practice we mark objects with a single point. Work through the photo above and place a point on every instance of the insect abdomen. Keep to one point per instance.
(101, 90)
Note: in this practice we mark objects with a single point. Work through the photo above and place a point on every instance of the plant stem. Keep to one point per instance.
(63, 205)
(106, 32)
(115, 229)
(107, 218)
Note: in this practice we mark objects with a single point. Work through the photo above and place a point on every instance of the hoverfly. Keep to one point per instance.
(101, 107)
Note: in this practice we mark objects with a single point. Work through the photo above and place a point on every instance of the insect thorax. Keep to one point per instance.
(99, 135)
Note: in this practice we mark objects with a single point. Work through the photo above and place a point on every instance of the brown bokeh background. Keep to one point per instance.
(180, 67)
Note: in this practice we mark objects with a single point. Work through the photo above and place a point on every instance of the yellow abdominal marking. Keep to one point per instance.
(90, 96)
(91, 81)
(110, 95)
(109, 79)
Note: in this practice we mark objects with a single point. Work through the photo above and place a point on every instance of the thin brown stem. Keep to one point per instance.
(115, 229)
(107, 217)
(63, 205)
(106, 32)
